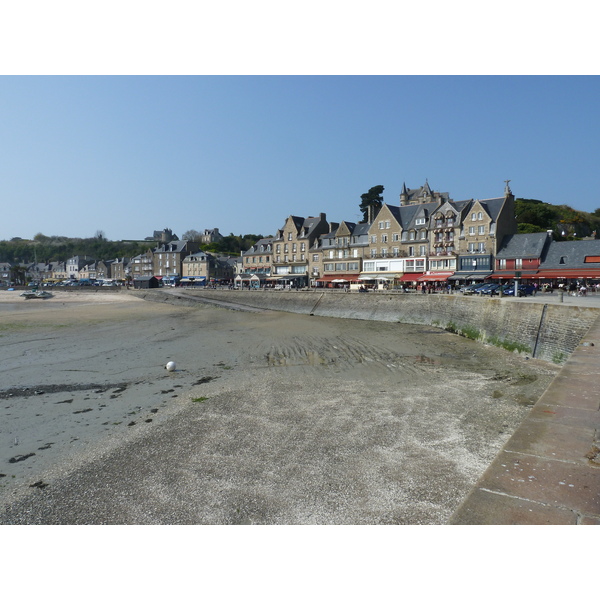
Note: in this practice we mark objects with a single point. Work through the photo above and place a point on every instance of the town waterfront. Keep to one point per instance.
(269, 418)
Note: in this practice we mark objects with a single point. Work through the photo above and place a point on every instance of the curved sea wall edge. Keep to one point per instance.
(548, 332)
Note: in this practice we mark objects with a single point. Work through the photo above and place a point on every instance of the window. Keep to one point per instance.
(411, 235)
(471, 247)
(473, 217)
(303, 247)
(294, 247)
(480, 216)
(423, 250)
(420, 221)
(405, 236)
(381, 224)
(395, 237)
(303, 257)
(481, 247)
(373, 252)
(285, 248)
(373, 239)
(396, 251)
(384, 252)
(353, 266)
(411, 250)
(384, 238)
(290, 236)
(341, 267)
(369, 266)
(471, 230)
(387, 224)
(354, 253)
(423, 234)
(331, 254)
(278, 249)
(315, 258)
(502, 264)
(481, 230)
(518, 263)
(328, 266)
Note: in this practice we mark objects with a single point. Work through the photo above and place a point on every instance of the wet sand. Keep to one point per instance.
(269, 417)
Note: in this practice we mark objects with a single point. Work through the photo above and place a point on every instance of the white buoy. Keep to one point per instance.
(170, 366)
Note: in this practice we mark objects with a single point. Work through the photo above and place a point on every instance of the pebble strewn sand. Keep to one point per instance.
(270, 418)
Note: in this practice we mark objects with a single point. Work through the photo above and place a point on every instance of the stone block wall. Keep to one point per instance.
(546, 331)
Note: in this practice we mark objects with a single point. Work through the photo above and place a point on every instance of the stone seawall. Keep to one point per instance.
(546, 331)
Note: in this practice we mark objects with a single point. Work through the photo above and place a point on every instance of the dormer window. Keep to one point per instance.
(421, 221)
(563, 260)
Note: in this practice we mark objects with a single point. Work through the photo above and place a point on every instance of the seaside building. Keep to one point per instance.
(521, 255)
(168, 259)
(342, 252)
(141, 265)
(257, 259)
(5, 273)
(76, 263)
(291, 249)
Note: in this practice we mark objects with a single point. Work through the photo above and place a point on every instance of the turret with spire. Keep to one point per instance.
(404, 195)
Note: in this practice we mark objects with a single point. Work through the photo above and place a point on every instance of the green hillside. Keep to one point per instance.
(566, 223)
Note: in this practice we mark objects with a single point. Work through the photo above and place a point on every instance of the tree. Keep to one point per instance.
(18, 274)
(191, 235)
(371, 203)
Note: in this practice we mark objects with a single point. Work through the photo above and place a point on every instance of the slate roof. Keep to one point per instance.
(493, 206)
(174, 246)
(523, 245)
(255, 248)
(361, 229)
(569, 255)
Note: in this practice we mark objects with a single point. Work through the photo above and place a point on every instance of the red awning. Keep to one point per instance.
(411, 276)
(513, 274)
(441, 276)
(566, 274)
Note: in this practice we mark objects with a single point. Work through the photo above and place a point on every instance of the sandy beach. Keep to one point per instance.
(269, 417)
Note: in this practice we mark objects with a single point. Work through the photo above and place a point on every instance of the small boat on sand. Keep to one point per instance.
(43, 294)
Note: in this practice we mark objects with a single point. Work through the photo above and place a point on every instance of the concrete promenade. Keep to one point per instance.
(549, 470)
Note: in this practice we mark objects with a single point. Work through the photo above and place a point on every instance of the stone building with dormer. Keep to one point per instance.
(291, 247)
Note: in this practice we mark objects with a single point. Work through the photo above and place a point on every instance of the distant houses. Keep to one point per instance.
(425, 239)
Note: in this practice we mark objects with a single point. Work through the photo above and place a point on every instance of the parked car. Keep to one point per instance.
(470, 289)
(489, 290)
(523, 290)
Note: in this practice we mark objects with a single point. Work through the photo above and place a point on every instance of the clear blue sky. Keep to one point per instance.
(131, 154)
